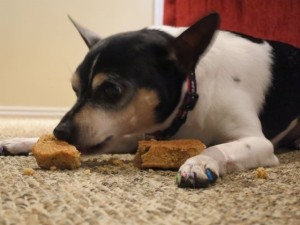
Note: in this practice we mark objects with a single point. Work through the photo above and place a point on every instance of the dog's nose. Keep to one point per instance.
(63, 132)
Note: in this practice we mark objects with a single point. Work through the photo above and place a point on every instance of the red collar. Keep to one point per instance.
(188, 104)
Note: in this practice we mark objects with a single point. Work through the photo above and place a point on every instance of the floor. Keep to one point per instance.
(108, 189)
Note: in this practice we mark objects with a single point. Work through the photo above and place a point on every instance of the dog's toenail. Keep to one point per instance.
(192, 175)
(209, 175)
(183, 174)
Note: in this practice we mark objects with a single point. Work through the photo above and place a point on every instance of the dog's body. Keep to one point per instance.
(135, 83)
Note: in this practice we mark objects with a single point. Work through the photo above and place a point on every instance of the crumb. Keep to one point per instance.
(117, 162)
(28, 171)
(87, 172)
(261, 173)
(52, 168)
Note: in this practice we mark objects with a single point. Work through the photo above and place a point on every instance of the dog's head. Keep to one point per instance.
(130, 82)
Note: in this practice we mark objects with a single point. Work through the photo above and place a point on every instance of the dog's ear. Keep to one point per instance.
(193, 42)
(90, 38)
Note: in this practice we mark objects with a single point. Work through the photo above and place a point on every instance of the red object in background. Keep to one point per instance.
(268, 19)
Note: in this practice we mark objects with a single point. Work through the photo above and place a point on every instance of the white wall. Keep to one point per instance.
(39, 47)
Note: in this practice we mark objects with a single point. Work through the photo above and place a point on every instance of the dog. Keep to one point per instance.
(240, 95)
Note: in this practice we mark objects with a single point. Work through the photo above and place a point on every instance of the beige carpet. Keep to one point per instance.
(109, 190)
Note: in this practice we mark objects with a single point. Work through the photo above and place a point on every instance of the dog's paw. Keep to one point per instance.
(198, 172)
(16, 146)
(3, 150)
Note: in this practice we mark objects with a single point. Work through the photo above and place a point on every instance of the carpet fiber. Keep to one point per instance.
(108, 189)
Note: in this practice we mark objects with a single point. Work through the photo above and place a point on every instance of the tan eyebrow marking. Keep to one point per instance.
(98, 80)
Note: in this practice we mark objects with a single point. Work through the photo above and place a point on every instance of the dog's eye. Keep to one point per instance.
(110, 91)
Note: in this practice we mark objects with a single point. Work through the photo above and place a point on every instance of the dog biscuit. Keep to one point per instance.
(52, 153)
(166, 154)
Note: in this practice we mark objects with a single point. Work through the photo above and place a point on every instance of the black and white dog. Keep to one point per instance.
(238, 94)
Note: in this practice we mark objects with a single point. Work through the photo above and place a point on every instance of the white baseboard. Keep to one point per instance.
(32, 111)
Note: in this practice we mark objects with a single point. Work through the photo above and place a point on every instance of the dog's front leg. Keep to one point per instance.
(245, 153)
(17, 146)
